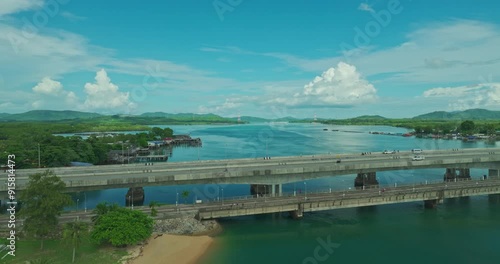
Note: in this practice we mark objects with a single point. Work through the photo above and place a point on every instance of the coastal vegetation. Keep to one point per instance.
(35, 144)
(43, 201)
(487, 127)
(467, 122)
(120, 227)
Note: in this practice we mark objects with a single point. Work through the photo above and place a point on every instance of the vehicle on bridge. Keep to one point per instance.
(418, 157)
(389, 152)
(416, 151)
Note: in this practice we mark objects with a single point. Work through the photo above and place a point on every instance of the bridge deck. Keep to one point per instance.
(356, 198)
(258, 171)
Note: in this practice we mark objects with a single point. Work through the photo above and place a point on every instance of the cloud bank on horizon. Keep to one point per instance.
(398, 64)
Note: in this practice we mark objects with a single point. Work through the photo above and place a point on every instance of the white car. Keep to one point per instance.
(389, 152)
(418, 157)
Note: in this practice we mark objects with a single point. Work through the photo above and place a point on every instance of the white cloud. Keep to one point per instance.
(227, 107)
(50, 93)
(342, 86)
(48, 86)
(14, 6)
(365, 7)
(37, 104)
(436, 52)
(71, 98)
(104, 95)
(466, 97)
(28, 58)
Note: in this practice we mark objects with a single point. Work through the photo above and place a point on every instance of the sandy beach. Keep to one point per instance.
(176, 249)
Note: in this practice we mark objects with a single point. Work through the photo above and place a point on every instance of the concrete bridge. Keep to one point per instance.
(430, 194)
(296, 204)
(268, 172)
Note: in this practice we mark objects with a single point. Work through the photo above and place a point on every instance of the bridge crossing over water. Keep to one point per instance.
(297, 204)
(266, 172)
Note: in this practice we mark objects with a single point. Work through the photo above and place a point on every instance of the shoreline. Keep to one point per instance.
(168, 248)
(181, 241)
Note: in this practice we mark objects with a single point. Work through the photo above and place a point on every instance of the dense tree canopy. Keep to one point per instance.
(122, 227)
(29, 140)
(43, 201)
(467, 127)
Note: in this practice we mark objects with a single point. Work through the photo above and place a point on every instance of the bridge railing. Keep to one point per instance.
(381, 187)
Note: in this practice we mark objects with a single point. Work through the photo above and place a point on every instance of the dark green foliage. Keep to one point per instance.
(38, 115)
(102, 209)
(43, 201)
(467, 127)
(23, 139)
(470, 114)
(153, 205)
(122, 227)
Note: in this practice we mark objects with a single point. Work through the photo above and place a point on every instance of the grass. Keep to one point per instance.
(60, 252)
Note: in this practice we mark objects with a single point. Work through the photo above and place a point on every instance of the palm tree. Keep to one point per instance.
(73, 231)
(153, 205)
(102, 209)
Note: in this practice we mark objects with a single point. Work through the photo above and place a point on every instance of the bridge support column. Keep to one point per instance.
(265, 189)
(278, 189)
(260, 189)
(464, 174)
(450, 174)
(364, 180)
(493, 174)
(134, 196)
(299, 213)
(430, 204)
(454, 174)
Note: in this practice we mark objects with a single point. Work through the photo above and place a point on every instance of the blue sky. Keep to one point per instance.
(333, 59)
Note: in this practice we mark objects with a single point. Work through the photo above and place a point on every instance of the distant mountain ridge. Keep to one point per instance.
(370, 117)
(53, 115)
(48, 115)
(470, 114)
(183, 116)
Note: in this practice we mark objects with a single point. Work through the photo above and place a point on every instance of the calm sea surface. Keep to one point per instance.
(463, 230)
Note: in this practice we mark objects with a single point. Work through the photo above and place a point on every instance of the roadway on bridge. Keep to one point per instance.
(228, 168)
(251, 202)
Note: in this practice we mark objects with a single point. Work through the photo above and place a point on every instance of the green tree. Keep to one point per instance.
(102, 209)
(122, 227)
(73, 232)
(43, 201)
(153, 205)
(467, 127)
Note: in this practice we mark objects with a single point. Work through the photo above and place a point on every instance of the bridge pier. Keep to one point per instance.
(266, 189)
(299, 213)
(134, 196)
(364, 180)
(493, 174)
(454, 174)
(431, 204)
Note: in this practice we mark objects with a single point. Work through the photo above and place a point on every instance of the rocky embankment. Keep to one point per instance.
(185, 226)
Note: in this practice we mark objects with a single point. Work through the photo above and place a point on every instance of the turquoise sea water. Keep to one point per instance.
(463, 230)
